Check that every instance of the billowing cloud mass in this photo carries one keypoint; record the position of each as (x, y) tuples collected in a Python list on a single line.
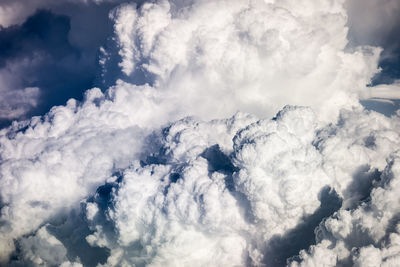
[(232, 136), (236, 59)]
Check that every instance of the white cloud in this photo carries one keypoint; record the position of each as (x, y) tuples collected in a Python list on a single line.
[(58, 160), (249, 56), (43, 248), (367, 235), (156, 189), (280, 170), (186, 188), (386, 91)]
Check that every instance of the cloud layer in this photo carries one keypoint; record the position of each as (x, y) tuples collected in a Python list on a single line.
[(162, 170)]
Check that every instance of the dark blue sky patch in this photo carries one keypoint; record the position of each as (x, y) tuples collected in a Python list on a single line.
[(377, 23), (390, 57), (46, 58), (43, 31)]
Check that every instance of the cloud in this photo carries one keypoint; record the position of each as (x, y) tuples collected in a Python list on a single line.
[(39, 67), (59, 175), (377, 23), (16, 104), (273, 181), (386, 91), (266, 153), (181, 187), (160, 169), (365, 236), (15, 12), (54, 49), (236, 55), (43, 248)]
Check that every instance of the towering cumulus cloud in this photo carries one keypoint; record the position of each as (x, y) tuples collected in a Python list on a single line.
[(233, 136), (253, 56)]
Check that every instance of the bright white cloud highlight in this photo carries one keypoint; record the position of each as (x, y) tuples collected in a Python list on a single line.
[(250, 56)]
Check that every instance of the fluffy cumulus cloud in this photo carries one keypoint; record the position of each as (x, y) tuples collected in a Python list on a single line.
[(365, 236), (254, 56), (232, 136)]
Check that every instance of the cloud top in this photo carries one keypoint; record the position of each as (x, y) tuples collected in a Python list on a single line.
[(250, 56)]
